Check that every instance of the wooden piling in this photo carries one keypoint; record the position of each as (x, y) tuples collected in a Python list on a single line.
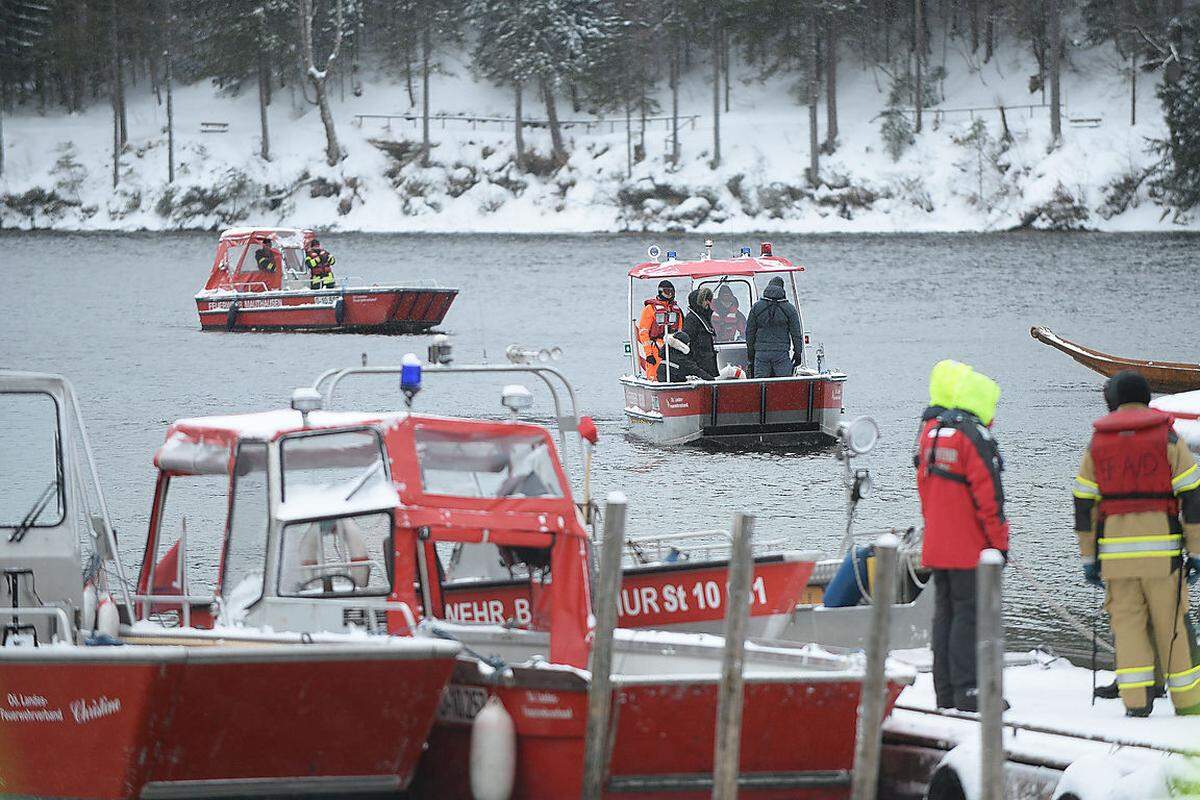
[(873, 698), (728, 745), (990, 649), (596, 749)]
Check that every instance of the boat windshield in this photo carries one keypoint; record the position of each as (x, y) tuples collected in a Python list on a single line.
[(731, 304), (475, 464), (324, 467), (31, 462), (340, 557)]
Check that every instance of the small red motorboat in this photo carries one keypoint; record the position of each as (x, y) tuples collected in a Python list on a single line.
[(804, 407), (96, 705), (241, 296)]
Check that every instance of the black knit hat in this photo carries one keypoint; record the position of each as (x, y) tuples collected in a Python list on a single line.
[(665, 284), (1126, 386)]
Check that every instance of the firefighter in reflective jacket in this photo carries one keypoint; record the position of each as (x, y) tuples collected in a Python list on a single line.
[(962, 502), (660, 315), (1137, 509), (320, 266), (266, 257)]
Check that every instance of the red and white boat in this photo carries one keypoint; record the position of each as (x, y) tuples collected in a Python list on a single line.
[(805, 407), (97, 706), (238, 296), (470, 489)]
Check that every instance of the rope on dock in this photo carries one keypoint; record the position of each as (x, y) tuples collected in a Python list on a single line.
[(1057, 607)]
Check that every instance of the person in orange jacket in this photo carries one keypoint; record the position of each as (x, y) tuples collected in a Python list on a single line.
[(660, 315)]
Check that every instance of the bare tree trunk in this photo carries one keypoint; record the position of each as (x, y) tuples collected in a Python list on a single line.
[(169, 58), (1133, 89), (725, 63), (974, 12), (1055, 45), (716, 59), (408, 77), (426, 46), (121, 100), (831, 58), (919, 53), (989, 31), (519, 129), (3, 103), (814, 91), (628, 139), (333, 150), (675, 106), (264, 89), (116, 105), (557, 150)]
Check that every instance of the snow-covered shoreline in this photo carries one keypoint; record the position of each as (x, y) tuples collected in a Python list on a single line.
[(959, 175)]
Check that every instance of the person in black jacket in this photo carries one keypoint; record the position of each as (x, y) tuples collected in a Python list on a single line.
[(772, 325), (698, 326), (682, 365)]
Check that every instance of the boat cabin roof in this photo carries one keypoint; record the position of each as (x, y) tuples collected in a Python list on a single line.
[(206, 445), (288, 237), (713, 267)]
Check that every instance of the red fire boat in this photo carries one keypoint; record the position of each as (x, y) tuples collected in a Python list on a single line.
[(804, 407), (240, 296), (97, 705)]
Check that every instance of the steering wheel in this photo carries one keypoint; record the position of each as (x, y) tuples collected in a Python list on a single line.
[(328, 577)]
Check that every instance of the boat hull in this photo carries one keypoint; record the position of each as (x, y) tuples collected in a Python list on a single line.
[(1166, 377), (779, 411), (797, 737), (170, 721), (376, 309)]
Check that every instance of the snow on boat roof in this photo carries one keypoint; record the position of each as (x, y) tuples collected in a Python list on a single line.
[(289, 237), (205, 445), (1185, 408), (713, 267)]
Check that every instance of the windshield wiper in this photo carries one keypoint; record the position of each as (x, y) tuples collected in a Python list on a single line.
[(39, 506), (361, 480)]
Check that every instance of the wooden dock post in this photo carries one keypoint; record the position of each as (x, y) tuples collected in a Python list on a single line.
[(990, 649), (873, 699), (727, 749), (596, 753)]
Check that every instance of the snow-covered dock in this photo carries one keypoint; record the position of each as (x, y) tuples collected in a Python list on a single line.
[(1059, 744)]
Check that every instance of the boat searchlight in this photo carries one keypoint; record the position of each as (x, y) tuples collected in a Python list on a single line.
[(306, 400), (440, 350), (516, 398), (858, 436)]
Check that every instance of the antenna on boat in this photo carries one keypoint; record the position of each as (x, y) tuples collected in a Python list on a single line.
[(708, 248), (410, 377), (306, 400)]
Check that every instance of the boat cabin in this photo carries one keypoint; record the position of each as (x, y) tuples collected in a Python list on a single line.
[(236, 267), (331, 521), (736, 283)]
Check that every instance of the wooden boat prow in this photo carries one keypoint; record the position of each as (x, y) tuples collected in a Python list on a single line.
[(1163, 376)]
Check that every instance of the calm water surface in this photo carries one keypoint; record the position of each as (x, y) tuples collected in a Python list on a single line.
[(114, 312)]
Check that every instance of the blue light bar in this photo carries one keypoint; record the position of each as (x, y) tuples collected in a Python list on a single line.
[(672, 255), (410, 374), (745, 251)]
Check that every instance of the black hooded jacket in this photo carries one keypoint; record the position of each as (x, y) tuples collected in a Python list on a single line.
[(683, 366), (773, 324), (698, 326)]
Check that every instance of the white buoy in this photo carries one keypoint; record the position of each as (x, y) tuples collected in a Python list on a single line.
[(87, 614), (493, 752), (108, 621)]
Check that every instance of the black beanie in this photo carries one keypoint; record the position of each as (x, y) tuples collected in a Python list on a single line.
[(665, 284), (1126, 386)]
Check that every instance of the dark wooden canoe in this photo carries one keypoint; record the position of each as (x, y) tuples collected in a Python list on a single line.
[(1165, 377)]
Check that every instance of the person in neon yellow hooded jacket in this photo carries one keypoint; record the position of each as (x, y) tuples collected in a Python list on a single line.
[(962, 502)]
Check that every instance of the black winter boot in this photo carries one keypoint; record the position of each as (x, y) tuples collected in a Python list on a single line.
[(969, 701), (1144, 711)]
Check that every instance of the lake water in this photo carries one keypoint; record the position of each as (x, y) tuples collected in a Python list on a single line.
[(114, 313)]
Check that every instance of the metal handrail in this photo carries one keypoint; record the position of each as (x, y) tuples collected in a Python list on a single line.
[(334, 376), (42, 611)]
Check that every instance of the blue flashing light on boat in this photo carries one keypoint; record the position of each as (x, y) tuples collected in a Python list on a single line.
[(746, 251), (672, 255), (410, 377)]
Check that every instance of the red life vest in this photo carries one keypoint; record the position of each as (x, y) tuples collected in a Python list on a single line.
[(667, 317), (1129, 450)]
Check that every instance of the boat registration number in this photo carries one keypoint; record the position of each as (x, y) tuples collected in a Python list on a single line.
[(460, 704)]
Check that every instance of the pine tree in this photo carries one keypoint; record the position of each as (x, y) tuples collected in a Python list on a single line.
[(1181, 108)]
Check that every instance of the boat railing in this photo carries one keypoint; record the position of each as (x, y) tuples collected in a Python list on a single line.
[(355, 603), (566, 409), (56, 612), (687, 545)]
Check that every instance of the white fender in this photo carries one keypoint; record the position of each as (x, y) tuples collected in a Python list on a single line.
[(87, 614), (493, 752), (108, 621)]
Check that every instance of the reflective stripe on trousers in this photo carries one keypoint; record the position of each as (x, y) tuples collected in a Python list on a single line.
[(1135, 677), (1184, 681)]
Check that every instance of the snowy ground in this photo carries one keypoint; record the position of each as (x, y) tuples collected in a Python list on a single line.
[(1055, 696), (939, 184)]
